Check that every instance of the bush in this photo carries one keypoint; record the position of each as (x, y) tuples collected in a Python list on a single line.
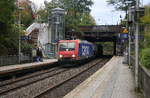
[(145, 57), (26, 48)]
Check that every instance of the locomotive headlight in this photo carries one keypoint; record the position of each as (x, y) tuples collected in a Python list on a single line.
[(60, 56), (73, 56)]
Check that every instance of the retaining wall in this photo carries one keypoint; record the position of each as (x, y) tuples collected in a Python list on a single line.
[(144, 81), (143, 78)]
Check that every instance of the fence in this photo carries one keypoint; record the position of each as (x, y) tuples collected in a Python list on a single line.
[(143, 79), (10, 60)]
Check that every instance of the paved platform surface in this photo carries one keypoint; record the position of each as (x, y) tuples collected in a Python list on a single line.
[(12, 68), (114, 80)]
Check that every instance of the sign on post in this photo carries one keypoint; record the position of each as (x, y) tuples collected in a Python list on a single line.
[(25, 37), (125, 31)]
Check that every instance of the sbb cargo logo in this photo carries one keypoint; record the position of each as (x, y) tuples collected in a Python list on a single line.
[(85, 50)]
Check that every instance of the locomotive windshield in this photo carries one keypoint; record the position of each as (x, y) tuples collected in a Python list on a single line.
[(67, 46)]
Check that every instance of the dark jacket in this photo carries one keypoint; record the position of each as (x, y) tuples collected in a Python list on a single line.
[(39, 52)]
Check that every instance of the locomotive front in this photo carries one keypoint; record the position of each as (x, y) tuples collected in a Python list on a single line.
[(68, 51)]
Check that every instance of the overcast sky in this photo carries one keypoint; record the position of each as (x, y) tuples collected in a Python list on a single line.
[(102, 13)]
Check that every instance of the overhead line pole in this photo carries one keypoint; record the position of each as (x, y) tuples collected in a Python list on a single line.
[(19, 40), (137, 44)]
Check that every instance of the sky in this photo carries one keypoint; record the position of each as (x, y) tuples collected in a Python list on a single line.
[(103, 13)]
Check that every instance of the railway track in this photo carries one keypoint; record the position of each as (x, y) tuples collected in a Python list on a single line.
[(39, 84), (11, 81), (44, 94), (27, 80)]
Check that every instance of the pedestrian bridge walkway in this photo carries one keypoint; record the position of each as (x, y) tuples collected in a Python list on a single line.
[(113, 80)]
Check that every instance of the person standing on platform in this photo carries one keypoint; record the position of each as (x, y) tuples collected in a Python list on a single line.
[(39, 54), (34, 54)]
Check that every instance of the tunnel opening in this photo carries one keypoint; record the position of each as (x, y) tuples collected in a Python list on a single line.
[(106, 49)]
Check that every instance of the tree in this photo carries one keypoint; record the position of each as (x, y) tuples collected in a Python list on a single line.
[(76, 12), (145, 56), (42, 15), (6, 17), (146, 22), (80, 6), (146, 18), (9, 31), (86, 19), (27, 14), (121, 4), (7, 35), (76, 9)]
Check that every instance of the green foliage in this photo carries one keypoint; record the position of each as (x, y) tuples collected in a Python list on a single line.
[(146, 18), (146, 21), (77, 12), (26, 14), (145, 52), (9, 42), (145, 57), (121, 4), (7, 6), (76, 5), (26, 19), (86, 20), (7, 36), (26, 48), (42, 15), (9, 32), (49, 6), (147, 40), (6, 15)]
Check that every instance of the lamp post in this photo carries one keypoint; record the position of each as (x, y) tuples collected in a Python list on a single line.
[(129, 33), (128, 3)]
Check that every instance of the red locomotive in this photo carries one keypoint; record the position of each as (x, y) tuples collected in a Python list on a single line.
[(72, 51)]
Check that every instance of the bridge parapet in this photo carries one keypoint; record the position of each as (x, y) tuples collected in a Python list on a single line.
[(98, 33), (102, 28)]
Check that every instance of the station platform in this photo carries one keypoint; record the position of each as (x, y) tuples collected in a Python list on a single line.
[(113, 80), (18, 67)]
